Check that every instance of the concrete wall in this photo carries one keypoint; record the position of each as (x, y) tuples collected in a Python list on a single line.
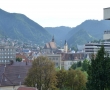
[(9, 88), (106, 13)]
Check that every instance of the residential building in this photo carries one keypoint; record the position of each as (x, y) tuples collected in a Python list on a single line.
[(13, 76), (92, 48), (69, 58), (7, 54)]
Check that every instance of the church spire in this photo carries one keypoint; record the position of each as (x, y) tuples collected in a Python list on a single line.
[(65, 42), (65, 47), (53, 39)]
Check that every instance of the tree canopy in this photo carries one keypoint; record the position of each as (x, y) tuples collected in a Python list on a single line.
[(99, 71), (42, 73)]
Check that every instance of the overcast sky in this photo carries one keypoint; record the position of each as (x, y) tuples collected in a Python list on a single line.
[(52, 13)]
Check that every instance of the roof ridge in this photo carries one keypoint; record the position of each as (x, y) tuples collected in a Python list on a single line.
[(2, 76)]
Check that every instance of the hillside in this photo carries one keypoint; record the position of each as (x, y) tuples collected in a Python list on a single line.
[(80, 37), (59, 32), (20, 27), (94, 28)]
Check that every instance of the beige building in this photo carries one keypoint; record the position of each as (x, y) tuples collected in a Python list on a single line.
[(69, 58), (56, 58)]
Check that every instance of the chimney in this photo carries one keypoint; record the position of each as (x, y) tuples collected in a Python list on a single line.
[(26, 63)]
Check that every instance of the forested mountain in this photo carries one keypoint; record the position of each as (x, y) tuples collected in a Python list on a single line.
[(18, 26), (80, 37), (87, 31), (92, 28), (59, 32)]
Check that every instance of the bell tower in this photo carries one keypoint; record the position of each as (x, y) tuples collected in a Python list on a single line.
[(53, 38), (65, 47)]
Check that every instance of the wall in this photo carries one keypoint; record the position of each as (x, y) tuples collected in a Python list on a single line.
[(106, 13), (9, 88)]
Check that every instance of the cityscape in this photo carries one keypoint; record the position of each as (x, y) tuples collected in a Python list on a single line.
[(38, 61)]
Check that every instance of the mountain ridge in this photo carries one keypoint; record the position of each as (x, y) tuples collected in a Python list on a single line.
[(19, 26)]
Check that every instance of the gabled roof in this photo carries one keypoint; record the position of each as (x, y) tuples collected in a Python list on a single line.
[(14, 75), (53, 45), (72, 56)]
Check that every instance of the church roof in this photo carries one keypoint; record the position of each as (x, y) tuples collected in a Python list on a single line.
[(50, 45)]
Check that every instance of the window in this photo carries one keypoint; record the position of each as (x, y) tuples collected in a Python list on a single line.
[(56, 64), (8, 61), (56, 58)]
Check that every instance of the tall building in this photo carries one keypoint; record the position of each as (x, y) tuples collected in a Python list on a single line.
[(106, 13), (92, 48), (7, 54), (65, 47), (106, 35)]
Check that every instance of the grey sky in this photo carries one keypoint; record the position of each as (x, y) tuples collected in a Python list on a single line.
[(57, 12)]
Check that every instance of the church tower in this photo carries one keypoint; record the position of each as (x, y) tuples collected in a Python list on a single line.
[(65, 47), (53, 39)]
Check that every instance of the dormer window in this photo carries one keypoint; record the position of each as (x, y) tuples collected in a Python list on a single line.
[(5, 79), (19, 76)]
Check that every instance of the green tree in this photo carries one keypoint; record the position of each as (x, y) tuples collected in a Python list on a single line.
[(79, 64), (98, 72), (42, 73), (61, 78), (76, 80), (18, 59), (85, 65), (74, 66)]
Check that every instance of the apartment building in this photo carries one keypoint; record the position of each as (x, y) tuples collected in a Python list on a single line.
[(92, 48), (7, 54)]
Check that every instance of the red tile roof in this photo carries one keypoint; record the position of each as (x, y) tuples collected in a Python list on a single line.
[(22, 56), (26, 88)]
